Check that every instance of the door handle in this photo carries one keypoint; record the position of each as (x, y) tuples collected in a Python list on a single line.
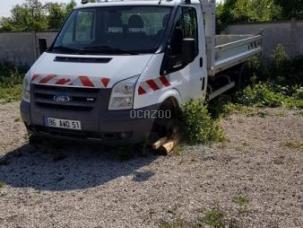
[(201, 62)]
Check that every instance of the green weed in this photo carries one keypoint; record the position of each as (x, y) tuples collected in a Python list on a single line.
[(10, 94), (10, 83), (261, 95), (214, 218), (293, 144), (241, 200), (199, 127)]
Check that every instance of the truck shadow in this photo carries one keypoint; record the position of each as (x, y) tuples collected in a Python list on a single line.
[(72, 167)]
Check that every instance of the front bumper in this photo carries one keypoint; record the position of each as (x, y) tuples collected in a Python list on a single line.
[(108, 127)]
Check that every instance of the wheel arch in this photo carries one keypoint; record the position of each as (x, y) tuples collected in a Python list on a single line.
[(171, 97)]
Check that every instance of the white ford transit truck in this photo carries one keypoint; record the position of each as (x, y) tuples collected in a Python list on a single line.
[(113, 59)]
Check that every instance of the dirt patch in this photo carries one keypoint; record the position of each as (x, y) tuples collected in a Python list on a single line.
[(87, 186)]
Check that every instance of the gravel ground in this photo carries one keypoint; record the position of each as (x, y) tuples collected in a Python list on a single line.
[(87, 186)]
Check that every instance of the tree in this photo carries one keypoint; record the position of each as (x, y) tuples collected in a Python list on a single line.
[(291, 8), (34, 16), (232, 11), (57, 14), (26, 17)]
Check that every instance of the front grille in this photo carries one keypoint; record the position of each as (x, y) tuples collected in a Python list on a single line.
[(80, 99)]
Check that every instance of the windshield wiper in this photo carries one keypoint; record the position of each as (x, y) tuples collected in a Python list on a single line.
[(108, 49), (67, 49)]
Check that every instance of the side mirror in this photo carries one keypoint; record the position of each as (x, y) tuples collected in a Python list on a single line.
[(42, 45), (188, 50), (178, 55)]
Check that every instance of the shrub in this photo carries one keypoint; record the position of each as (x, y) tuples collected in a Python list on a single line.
[(256, 70), (261, 95), (280, 70), (199, 127), (10, 75), (10, 82), (286, 71), (298, 93)]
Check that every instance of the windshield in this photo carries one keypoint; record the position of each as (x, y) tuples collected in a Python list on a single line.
[(113, 30)]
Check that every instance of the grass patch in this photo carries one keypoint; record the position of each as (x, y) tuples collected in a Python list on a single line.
[(266, 95), (10, 82), (214, 218), (294, 144), (254, 98), (199, 126), (10, 94), (242, 202)]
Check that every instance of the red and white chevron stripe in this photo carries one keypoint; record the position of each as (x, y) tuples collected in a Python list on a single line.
[(153, 85), (82, 81)]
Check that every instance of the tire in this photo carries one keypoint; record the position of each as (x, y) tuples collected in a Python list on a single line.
[(167, 127)]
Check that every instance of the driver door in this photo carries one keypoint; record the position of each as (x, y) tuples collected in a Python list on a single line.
[(188, 77)]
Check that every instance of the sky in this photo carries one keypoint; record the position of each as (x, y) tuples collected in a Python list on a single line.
[(7, 5)]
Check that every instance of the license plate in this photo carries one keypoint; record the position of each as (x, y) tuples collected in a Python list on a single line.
[(65, 124)]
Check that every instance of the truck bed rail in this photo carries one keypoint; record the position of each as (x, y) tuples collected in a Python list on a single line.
[(233, 50)]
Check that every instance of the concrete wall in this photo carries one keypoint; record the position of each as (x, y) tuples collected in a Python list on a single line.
[(23, 48), (288, 33), (17, 48)]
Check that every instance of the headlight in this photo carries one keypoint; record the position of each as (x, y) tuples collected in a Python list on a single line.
[(122, 96), (26, 89)]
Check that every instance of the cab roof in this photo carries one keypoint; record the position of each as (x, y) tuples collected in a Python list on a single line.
[(136, 2)]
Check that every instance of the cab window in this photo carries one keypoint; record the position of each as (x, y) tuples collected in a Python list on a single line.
[(185, 27), (183, 44)]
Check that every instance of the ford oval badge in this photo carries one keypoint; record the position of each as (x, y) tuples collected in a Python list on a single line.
[(62, 99)]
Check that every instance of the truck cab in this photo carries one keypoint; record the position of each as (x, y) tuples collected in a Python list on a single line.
[(115, 63)]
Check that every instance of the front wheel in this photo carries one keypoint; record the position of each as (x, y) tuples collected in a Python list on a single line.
[(168, 127)]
